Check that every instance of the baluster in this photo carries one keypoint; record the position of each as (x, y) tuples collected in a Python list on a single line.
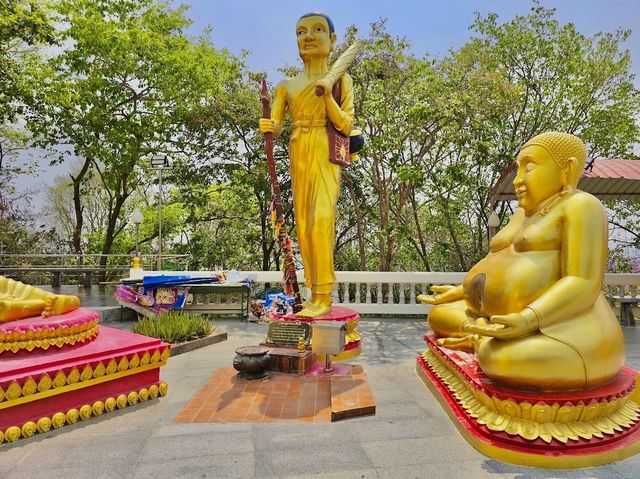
[(379, 290), (403, 295), (368, 294), (346, 298), (357, 296), (412, 293), (334, 293)]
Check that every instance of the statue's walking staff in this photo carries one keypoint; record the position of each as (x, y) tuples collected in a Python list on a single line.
[(277, 211)]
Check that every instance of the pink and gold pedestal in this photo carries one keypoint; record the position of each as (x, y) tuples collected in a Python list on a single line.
[(352, 338), (566, 430), (64, 368)]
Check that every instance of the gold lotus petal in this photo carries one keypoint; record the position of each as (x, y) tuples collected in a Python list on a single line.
[(99, 370), (87, 373), (74, 376), (110, 404), (529, 430), (132, 398), (121, 401), (581, 430), (72, 416), (145, 359), (60, 379), (44, 424), (545, 432), (29, 429), (123, 365), (98, 408), (499, 422), (58, 420), (153, 391), (134, 362), (29, 387), (85, 412), (45, 383), (155, 357), (163, 388), (13, 391), (12, 434), (112, 367)]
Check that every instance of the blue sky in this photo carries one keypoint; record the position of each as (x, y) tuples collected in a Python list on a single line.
[(266, 28)]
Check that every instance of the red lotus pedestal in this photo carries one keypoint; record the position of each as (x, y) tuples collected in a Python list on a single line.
[(566, 430), (44, 388), (352, 346)]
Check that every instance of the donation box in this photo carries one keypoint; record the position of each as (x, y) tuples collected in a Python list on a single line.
[(327, 337)]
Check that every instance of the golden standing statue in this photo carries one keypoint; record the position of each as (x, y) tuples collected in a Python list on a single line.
[(533, 308), (315, 181)]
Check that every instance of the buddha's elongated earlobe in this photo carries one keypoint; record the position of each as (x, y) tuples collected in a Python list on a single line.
[(569, 180)]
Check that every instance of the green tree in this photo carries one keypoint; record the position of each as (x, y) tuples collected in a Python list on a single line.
[(23, 27), (129, 84)]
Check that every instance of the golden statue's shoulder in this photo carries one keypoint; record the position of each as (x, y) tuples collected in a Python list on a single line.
[(585, 200)]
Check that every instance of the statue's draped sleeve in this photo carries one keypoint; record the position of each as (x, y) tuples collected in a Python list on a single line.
[(278, 107), (342, 115)]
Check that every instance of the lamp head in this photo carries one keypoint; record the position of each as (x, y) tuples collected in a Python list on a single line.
[(136, 217), (159, 160), (494, 220)]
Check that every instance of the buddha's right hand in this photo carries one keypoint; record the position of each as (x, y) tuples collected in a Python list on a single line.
[(435, 299), (266, 125)]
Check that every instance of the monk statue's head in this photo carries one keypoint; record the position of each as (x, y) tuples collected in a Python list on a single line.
[(549, 163), (316, 35)]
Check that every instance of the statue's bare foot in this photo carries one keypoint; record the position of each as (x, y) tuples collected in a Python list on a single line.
[(308, 310), (321, 310), (60, 304), (315, 310), (466, 343)]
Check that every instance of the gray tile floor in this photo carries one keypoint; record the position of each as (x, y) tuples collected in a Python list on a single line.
[(410, 436)]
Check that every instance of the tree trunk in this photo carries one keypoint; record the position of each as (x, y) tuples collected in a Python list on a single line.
[(78, 209), (112, 230)]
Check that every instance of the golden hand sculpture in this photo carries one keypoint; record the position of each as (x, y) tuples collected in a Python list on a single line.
[(533, 308), (19, 300), (315, 181)]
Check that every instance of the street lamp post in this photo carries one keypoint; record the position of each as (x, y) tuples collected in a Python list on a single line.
[(159, 162)]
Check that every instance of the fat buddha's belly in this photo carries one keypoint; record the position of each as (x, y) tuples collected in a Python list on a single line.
[(507, 281)]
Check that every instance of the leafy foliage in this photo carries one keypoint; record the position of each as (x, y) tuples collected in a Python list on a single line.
[(174, 327)]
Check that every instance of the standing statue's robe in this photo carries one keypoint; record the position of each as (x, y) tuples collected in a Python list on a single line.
[(315, 180)]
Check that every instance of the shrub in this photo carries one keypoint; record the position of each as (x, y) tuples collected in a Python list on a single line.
[(174, 327)]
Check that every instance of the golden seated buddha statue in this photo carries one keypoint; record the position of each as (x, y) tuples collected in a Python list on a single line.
[(19, 300), (533, 309)]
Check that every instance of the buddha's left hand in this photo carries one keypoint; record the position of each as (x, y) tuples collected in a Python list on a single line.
[(507, 326)]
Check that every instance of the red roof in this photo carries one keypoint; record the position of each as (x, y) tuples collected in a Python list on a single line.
[(607, 179)]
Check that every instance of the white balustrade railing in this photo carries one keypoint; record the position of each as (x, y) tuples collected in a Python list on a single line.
[(394, 293)]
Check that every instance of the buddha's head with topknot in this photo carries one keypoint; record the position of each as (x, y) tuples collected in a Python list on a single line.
[(549, 163)]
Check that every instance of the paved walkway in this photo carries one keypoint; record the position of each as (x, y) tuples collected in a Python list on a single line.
[(410, 436)]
